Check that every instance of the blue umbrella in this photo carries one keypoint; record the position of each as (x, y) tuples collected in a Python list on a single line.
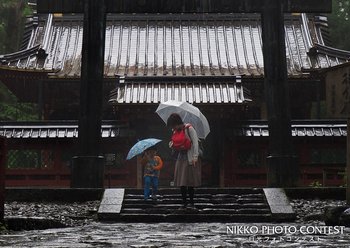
[(141, 146)]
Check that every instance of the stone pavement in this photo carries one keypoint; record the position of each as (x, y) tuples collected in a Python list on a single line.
[(228, 233), (214, 235), (139, 235)]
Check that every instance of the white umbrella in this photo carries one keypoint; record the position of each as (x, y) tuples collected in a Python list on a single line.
[(188, 113)]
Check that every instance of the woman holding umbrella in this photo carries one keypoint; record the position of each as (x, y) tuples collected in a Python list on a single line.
[(187, 173)]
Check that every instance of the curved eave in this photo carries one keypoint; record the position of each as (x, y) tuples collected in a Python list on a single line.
[(33, 70), (331, 51), (326, 57), (7, 58), (23, 63)]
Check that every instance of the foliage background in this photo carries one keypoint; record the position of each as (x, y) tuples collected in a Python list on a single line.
[(339, 24), (12, 19)]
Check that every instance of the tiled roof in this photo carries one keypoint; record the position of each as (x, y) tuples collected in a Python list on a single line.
[(200, 92), (24, 130), (44, 130), (172, 45), (299, 129)]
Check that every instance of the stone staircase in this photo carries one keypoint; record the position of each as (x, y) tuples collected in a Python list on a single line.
[(212, 205)]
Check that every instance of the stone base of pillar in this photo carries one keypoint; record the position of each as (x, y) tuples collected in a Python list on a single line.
[(282, 171), (3, 156), (87, 172)]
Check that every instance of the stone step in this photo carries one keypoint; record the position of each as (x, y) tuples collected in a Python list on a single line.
[(198, 205), (206, 196), (235, 211), (160, 200), (249, 200), (196, 200), (202, 196), (212, 204), (212, 211), (210, 191), (188, 217)]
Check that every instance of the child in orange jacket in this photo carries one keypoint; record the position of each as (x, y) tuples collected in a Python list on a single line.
[(152, 166)]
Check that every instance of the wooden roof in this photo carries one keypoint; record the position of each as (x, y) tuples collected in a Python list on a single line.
[(64, 129), (174, 45), (55, 129), (299, 128), (196, 91)]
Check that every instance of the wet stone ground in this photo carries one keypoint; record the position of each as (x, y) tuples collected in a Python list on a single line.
[(85, 231), (69, 214)]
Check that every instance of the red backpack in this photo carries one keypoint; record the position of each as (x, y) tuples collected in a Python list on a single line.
[(180, 141)]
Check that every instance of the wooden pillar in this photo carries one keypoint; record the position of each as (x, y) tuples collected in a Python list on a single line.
[(88, 166), (3, 155), (348, 163), (282, 167)]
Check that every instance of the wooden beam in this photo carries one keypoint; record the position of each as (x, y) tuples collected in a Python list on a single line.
[(185, 6)]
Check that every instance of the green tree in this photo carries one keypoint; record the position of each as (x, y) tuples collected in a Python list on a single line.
[(12, 18), (339, 24), (12, 109)]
